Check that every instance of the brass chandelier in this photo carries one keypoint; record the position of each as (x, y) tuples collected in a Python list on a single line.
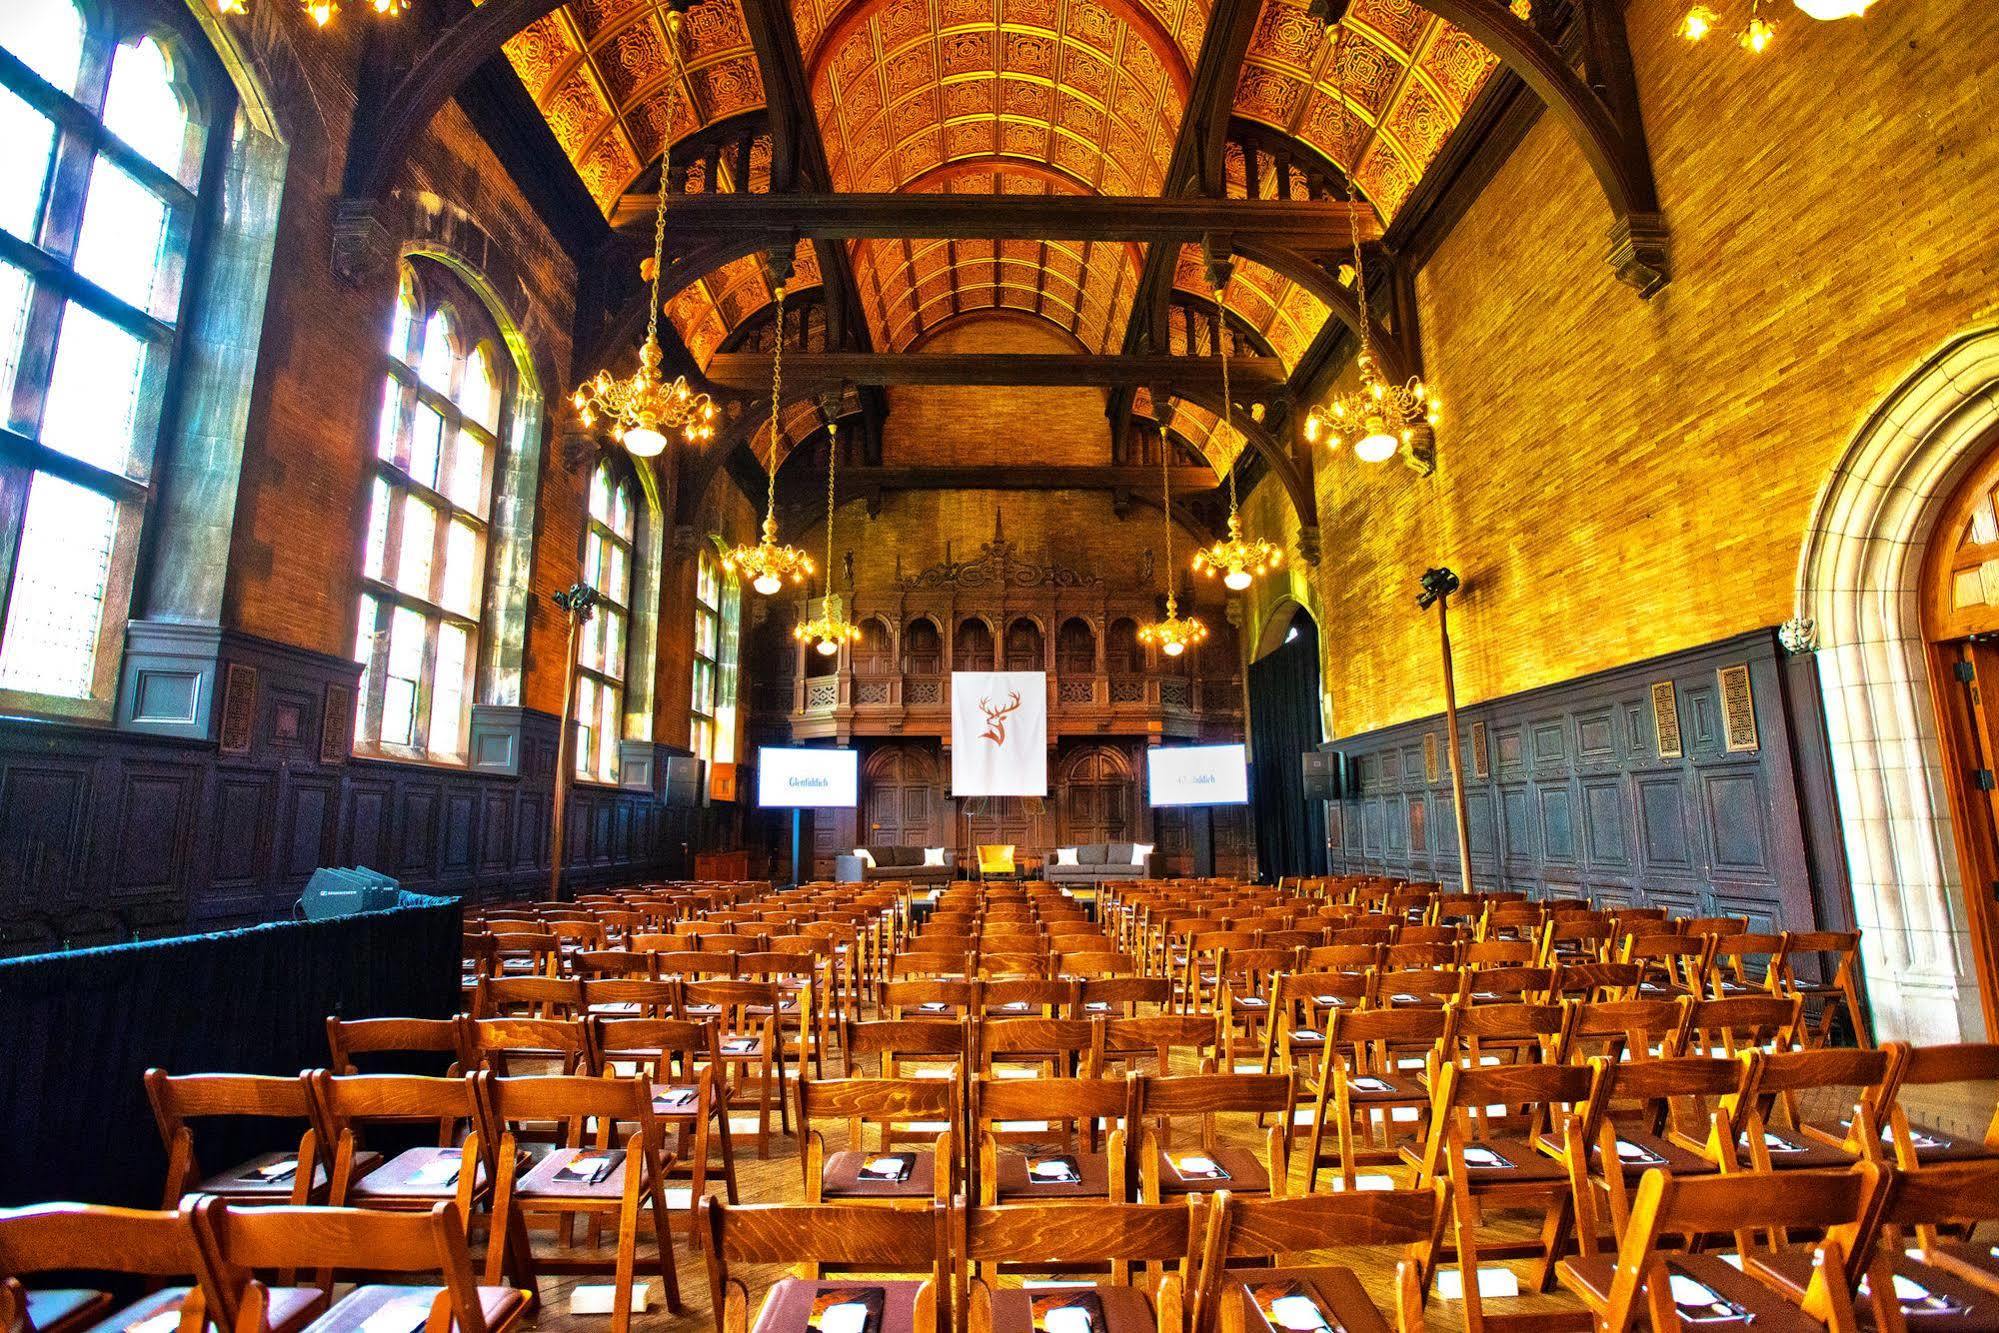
[(1176, 633), (643, 406), (1240, 560), (1378, 418), (830, 628), (767, 565), (321, 12), (1759, 32)]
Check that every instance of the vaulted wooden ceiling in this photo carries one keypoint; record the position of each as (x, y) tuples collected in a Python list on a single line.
[(1081, 97)]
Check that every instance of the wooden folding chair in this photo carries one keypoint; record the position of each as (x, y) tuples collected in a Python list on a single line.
[(1831, 979), (750, 1047), (1917, 1144), (1683, 1289), (1772, 1130), (1063, 1154), (84, 1238), (590, 1174), (683, 1060), (1504, 1170), (1166, 1170), (294, 1175), (1624, 1029), (931, 1107), (1048, 1238), (1374, 1095), (1918, 1203), (1233, 1298), (240, 1242), (812, 1236)]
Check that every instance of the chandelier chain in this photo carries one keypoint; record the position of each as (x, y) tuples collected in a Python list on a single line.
[(1228, 422), (1346, 179), (1166, 506), (776, 387), (832, 462), (665, 188)]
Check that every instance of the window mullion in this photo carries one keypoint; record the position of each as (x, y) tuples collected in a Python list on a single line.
[(426, 685), (378, 669)]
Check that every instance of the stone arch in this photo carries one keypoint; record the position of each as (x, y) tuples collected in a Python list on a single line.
[(1859, 582)]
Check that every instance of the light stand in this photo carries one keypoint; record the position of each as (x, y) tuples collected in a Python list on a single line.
[(578, 602), (1438, 585)]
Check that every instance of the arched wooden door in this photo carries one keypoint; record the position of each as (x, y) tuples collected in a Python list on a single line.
[(900, 798), (1961, 624), (1098, 796)]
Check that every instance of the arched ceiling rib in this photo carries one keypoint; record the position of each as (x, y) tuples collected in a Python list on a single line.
[(1408, 78), (598, 71)]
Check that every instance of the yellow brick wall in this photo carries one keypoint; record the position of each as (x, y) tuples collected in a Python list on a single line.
[(939, 426), (1622, 478)]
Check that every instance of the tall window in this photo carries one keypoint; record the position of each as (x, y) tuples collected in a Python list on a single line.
[(707, 655), (423, 564), (608, 540), (103, 147)]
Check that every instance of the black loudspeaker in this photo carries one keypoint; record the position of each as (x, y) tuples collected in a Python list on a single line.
[(335, 892), (1322, 774)]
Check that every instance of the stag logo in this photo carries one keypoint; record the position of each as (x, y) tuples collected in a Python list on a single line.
[(996, 718)]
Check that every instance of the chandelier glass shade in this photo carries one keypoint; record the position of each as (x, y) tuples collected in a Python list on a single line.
[(321, 12), (643, 408), (769, 566), (1240, 560), (1377, 418), (828, 630)]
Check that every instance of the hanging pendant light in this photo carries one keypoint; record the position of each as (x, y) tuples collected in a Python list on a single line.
[(1378, 418), (1241, 561), (1176, 633), (643, 407), (828, 630), (767, 565)]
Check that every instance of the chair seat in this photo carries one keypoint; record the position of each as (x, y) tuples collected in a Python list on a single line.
[(787, 1306), (1591, 1279), (1931, 1145), (1126, 1309), (1800, 1151), (1339, 1291), (546, 1181), (1398, 1090), (675, 1101), (1678, 1161), (841, 1177), (1789, 1271), (1526, 1164), (382, 1308), (1016, 1185), (1244, 1173), (60, 1309), (414, 1174), (290, 1308), (243, 1180)]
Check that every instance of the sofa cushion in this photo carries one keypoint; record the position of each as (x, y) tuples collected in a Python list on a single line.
[(1118, 854), (907, 856), (1090, 854)]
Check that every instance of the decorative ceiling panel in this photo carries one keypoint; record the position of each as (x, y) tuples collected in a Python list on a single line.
[(910, 288), (708, 310), (1287, 315), (599, 72), (1202, 429), (1407, 78), (1090, 91)]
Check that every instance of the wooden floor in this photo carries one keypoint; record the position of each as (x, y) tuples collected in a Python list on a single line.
[(1963, 1111)]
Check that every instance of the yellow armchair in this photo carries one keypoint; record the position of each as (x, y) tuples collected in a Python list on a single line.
[(996, 858)]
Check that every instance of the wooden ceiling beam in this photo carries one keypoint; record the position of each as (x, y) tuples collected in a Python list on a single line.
[(1306, 226), (1254, 377)]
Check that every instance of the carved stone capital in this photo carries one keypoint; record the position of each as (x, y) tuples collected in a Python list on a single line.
[(363, 246), (1308, 544), (1639, 252)]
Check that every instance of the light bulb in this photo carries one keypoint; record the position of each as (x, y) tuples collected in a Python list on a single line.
[(1829, 10), (827, 647), (1698, 23), (1377, 446), (1237, 579), (1315, 426), (644, 442), (767, 584), (322, 11), (1756, 38), (1173, 648)]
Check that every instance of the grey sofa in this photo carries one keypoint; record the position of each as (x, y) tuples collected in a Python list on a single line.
[(1100, 861), (903, 863)]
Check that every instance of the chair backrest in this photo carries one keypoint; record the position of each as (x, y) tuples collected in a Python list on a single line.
[(890, 1040), (536, 997), (1071, 1045), (1119, 996), (577, 1100), (178, 1099), (1072, 1232), (64, 1237), (241, 1241), (349, 1037), (497, 1043), (807, 1235)]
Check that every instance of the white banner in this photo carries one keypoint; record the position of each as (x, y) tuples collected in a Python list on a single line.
[(999, 733)]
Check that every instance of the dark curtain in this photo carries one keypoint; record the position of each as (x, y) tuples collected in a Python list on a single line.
[(1283, 725), (78, 1029)]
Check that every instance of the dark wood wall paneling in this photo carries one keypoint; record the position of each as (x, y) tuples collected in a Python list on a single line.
[(110, 835), (1571, 797)]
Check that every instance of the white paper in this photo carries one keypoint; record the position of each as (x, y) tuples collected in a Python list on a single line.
[(602, 1297)]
